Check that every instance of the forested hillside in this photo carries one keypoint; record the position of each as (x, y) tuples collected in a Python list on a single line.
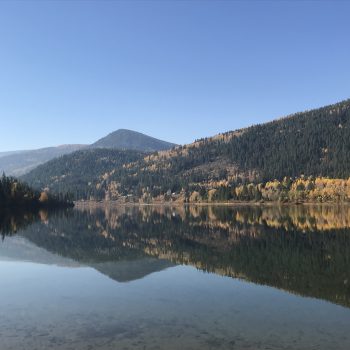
[(80, 173), (311, 143), (314, 143)]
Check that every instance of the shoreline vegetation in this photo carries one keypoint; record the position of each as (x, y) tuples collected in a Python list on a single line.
[(17, 195), (301, 190)]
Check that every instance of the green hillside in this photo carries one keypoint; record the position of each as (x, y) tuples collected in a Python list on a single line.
[(80, 173), (313, 143)]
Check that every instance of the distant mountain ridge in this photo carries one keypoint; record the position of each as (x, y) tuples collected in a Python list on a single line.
[(18, 163), (4, 154)]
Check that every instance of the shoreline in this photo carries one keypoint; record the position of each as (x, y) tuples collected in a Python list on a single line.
[(91, 203)]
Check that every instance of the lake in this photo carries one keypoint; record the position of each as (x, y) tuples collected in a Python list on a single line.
[(176, 278)]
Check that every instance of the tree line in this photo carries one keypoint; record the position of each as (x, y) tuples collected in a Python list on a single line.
[(15, 194)]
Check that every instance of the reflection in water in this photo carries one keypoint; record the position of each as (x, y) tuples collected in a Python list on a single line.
[(302, 249), (12, 221)]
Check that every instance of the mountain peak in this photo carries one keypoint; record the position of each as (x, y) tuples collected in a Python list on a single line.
[(132, 140)]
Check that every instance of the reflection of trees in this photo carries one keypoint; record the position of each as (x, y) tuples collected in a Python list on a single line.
[(13, 221), (302, 249), (80, 236)]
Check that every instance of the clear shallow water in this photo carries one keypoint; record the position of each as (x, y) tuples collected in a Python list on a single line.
[(161, 278)]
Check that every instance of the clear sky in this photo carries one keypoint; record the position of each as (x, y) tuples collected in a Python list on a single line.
[(71, 72)]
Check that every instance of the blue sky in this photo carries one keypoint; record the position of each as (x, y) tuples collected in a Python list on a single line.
[(71, 72)]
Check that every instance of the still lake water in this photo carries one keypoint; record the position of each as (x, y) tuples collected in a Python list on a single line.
[(176, 278)]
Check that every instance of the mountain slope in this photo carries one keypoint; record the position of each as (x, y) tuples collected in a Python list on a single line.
[(132, 140), (4, 154), (17, 163), (79, 173)]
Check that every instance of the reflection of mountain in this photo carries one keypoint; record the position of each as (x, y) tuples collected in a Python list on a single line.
[(125, 271), (281, 247), (44, 243), (18, 248)]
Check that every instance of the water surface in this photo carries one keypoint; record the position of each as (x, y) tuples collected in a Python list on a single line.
[(176, 278)]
